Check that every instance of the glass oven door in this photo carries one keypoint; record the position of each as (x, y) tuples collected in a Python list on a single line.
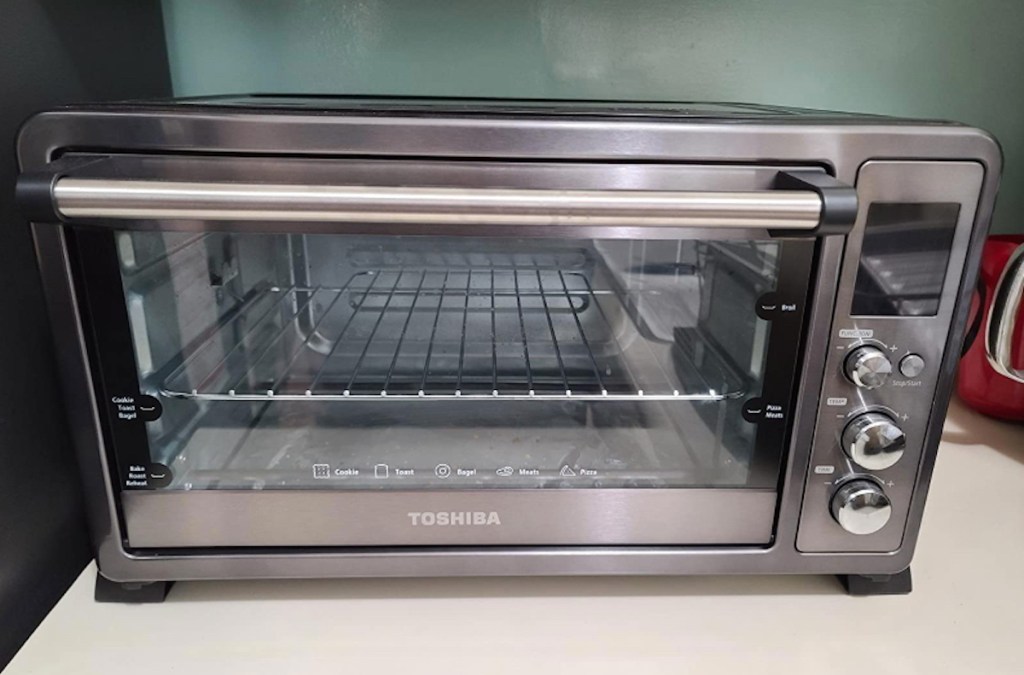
[(296, 388)]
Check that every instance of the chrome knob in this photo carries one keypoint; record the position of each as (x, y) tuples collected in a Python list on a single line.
[(860, 507), (867, 367), (874, 441)]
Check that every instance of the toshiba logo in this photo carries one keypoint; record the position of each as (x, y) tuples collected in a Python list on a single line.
[(449, 518)]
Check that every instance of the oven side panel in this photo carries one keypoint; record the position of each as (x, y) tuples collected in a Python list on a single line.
[(78, 389)]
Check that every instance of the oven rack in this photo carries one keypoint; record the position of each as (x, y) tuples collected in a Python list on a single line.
[(425, 334)]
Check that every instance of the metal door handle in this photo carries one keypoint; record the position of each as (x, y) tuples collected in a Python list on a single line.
[(1002, 319), (808, 203)]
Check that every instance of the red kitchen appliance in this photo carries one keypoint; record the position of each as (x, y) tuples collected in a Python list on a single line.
[(992, 371)]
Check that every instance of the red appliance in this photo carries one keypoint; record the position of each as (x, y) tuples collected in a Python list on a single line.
[(992, 371)]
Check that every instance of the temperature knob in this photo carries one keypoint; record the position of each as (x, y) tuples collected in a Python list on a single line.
[(860, 507), (874, 441), (867, 367)]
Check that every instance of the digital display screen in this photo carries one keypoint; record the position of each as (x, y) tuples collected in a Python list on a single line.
[(904, 258)]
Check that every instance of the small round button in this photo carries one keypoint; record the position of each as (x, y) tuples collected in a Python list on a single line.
[(861, 507), (911, 365), (442, 470)]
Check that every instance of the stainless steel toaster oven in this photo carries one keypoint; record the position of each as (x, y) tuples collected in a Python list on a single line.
[(339, 336)]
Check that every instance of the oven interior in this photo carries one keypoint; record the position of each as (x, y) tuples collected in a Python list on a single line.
[(287, 361)]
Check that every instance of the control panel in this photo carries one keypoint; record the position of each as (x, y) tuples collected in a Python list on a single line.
[(901, 271)]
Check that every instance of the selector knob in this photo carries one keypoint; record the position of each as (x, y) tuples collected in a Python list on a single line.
[(867, 367), (861, 507), (874, 441)]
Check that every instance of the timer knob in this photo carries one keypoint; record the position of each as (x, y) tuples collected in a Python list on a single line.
[(867, 367), (861, 507), (874, 441)]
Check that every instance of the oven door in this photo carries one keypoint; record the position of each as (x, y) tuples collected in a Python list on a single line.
[(313, 353)]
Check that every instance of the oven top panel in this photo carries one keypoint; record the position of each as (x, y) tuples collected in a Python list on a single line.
[(461, 107)]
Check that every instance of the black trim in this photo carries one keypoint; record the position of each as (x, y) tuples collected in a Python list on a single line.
[(877, 584), (113, 352), (979, 314), (33, 193), (133, 593), (838, 201), (782, 362)]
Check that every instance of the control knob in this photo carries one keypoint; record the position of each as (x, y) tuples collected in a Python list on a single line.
[(861, 507), (867, 367), (874, 441)]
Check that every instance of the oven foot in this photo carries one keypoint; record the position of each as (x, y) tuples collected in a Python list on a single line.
[(131, 593), (877, 584)]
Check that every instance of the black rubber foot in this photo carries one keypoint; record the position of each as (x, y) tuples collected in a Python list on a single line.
[(877, 584), (133, 593)]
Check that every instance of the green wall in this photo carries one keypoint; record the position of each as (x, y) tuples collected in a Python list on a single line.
[(954, 59)]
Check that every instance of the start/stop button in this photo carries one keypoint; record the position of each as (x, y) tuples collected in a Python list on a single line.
[(912, 365)]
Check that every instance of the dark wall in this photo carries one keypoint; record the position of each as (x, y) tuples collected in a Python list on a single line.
[(51, 52)]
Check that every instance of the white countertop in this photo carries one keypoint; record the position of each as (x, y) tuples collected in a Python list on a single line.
[(964, 615)]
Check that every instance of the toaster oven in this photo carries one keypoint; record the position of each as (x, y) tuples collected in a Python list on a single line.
[(337, 336)]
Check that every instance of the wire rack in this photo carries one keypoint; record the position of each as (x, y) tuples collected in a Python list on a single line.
[(437, 334)]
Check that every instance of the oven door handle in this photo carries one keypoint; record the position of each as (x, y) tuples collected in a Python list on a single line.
[(1002, 319), (801, 203)]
